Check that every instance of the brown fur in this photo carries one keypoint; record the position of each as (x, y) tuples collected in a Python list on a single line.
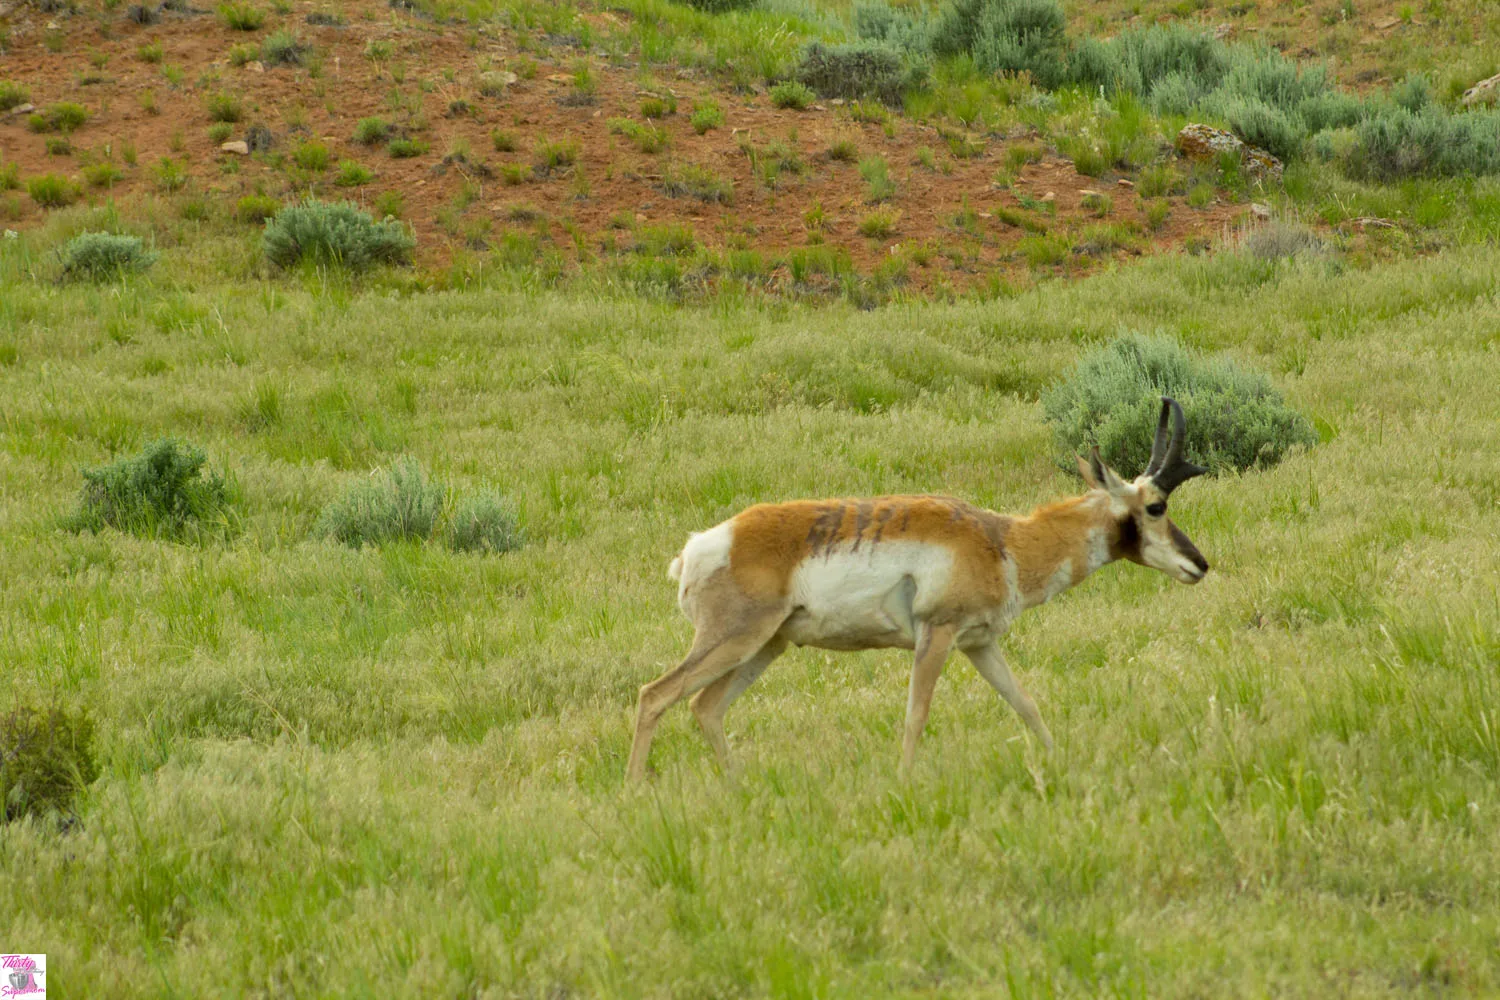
[(771, 540)]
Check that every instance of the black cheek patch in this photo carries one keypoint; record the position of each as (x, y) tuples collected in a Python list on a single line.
[(1128, 543)]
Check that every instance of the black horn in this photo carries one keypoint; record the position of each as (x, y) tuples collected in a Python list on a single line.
[(1159, 446), (1168, 470)]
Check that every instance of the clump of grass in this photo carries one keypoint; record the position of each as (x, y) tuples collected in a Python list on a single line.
[(503, 141), (12, 95), (879, 224), (697, 181), (962, 146), (52, 190), (352, 173), (555, 155), (877, 176), (1097, 204), (10, 176), (255, 208), (1238, 419), (94, 256), (665, 241), (46, 761), (655, 107), (486, 523), (58, 146), (101, 175), (241, 16), (170, 175), (150, 53), (371, 131), (1281, 240), (647, 138), (390, 205), (220, 132), (869, 113), (312, 155), (1042, 250), (284, 49), (162, 492), (397, 503), (404, 148), (1157, 211), (64, 116), (792, 94), (843, 151), (707, 115), (493, 85), (334, 233), (225, 108)]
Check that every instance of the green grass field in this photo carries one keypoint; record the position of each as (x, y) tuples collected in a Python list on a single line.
[(338, 772)]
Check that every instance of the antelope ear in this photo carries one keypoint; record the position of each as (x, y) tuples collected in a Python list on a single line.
[(1098, 475), (1086, 470)]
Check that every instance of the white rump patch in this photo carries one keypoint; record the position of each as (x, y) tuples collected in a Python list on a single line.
[(705, 553)]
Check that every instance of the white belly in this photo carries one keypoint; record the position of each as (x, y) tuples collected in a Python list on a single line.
[(866, 598)]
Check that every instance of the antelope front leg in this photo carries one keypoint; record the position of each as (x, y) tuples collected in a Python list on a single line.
[(933, 644), (992, 667)]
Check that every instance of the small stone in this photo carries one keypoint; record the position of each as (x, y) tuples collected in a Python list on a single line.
[(256, 66), (1087, 193), (1260, 211), (1386, 23), (21, 109), (1125, 182), (237, 146), (560, 78), (1050, 196)]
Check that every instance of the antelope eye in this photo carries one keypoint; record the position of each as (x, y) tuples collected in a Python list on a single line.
[(1157, 509)]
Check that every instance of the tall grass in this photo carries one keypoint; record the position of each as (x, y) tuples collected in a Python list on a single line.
[(336, 771)]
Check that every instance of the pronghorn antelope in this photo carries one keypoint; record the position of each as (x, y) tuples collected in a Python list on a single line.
[(925, 573)]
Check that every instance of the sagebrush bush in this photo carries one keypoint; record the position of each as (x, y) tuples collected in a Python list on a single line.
[(336, 233), (900, 29), (161, 493), (1236, 418), (1006, 36), (1281, 240), (397, 503), (104, 255), (721, 6), (284, 49), (1400, 143), (46, 760), (485, 522), (859, 70)]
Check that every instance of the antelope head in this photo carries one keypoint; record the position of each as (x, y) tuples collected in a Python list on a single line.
[(1143, 532)]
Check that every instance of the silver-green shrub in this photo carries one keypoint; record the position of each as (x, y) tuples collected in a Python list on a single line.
[(93, 256), (337, 233), (397, 503), (485, 522), (1236, 418)]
